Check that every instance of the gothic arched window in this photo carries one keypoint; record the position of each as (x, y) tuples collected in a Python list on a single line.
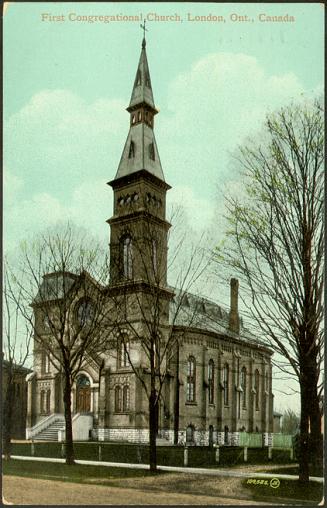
[(211, 381), (126, 398), (45, 362), (151, 151), (226, 384), (243, 386), (191, 378), (127, 257), (123, 350), (118, 400), (257, 388)]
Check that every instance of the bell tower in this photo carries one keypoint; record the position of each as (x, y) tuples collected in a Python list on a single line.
[(138, 227)]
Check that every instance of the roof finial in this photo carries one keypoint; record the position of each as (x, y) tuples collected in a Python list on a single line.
[(144, 30)]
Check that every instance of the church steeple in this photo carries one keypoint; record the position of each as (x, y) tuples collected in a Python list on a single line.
[(138, 227), (140, 151), (142, 89)]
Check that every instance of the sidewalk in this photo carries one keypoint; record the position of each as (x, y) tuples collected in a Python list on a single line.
[(192, 470)]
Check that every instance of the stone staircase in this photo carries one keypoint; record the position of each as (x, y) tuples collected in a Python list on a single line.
[(50, 433)]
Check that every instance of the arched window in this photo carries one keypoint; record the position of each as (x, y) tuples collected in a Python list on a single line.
[(82, 381), (45, 362), (118, 399), (139, 116), (191, 378), (123, 350), (211, 381), (243, 386), (257, 388), (131, 153), (138, 79), (126, 398), (151, 151), (226, 384), (190, 434), (127, 257)]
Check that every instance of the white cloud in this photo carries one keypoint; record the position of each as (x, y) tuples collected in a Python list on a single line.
[(89, 206), (199, 212), (58, 140), (212, 107)]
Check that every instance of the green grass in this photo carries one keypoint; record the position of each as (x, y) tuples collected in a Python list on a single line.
[(288, 489), (77, 473), (166, 456)]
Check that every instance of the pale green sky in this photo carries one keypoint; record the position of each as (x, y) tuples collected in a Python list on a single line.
[(67, 84)]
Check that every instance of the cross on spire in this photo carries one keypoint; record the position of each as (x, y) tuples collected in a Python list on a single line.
[(144, 30)]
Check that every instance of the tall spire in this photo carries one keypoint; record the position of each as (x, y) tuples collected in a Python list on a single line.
[(140, 151), (142, 90)]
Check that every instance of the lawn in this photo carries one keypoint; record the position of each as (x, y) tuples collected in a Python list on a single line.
[(167, 482), (77, 473), (287, 489)]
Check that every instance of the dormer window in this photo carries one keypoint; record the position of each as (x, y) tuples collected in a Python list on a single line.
[(138, 80), (131, 153), (151, 151)]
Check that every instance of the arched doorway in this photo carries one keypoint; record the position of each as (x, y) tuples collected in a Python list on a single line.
[(83, 394)]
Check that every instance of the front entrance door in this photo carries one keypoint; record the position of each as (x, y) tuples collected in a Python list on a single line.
[(83, 394)]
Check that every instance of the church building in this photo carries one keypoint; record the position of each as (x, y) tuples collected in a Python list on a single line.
[(217, 377)]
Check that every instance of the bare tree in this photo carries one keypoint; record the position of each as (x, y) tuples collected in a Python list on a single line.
[(60, 282), (16, 346), (275, 244), (290, 422), (147, 310)]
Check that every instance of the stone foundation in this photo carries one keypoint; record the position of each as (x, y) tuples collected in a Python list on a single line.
[(129, 435)]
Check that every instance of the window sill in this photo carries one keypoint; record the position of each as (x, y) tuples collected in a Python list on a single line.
[(189, 403), (121, 413)]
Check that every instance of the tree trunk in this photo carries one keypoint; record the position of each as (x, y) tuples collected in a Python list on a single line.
[(304, 436), (153, 430), (176, 402), (69, 446), (7, 420)]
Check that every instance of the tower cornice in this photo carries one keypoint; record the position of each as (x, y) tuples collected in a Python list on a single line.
[(138, 175)]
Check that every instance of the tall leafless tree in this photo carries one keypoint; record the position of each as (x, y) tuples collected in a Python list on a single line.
[(60, 279), (16, 350), (147, 310), (275, 244)]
